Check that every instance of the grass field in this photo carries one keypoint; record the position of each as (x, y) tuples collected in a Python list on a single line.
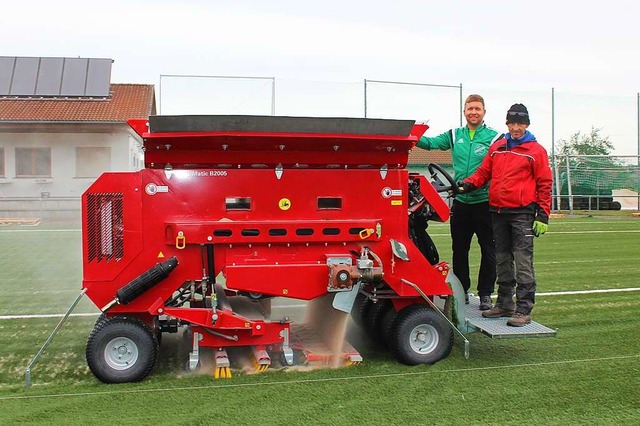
[(588, 374)]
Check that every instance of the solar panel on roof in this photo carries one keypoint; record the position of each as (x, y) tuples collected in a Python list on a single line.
[(98, 77), (25, 75), (68, 77), (74, 76), (6, 72), (49, 76)]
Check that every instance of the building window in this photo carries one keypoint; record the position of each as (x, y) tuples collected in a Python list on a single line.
[(92, 161), (33, 162), (1, 161)]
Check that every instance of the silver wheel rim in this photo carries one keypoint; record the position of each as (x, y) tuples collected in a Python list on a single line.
[(424, 339), (121, 353)]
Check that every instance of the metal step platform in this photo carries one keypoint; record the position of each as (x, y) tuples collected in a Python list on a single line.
[(497, 328)]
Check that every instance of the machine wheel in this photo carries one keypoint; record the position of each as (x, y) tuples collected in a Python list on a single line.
[(373, 322), (387, 326), (121, 349), (360, 310), (420, 336)]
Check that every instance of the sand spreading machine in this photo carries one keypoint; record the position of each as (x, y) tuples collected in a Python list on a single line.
[(234, 213)]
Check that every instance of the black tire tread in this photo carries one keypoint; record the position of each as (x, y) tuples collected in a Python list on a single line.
[(93, 352), (373, 321), (360, 311), (387, 326)]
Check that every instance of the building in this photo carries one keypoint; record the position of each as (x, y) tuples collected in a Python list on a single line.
[(54, 145), (420, 158)]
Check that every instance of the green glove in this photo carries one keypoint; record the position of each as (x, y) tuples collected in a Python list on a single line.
[(539, 228)]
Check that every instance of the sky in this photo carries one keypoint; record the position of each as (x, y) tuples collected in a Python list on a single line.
[(320, 53)]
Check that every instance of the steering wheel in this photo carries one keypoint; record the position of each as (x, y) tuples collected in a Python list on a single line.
[(435, 170)]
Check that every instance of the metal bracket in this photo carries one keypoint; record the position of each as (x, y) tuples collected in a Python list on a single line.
[(194, 356), (27, 371), (430, 302), (287, 352)]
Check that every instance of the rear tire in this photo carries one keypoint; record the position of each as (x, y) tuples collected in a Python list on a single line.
[(420, 336), (121, 349), (360, 310), (387, 326), (373, 323)]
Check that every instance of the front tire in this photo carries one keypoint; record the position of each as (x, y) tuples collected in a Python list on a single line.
[(420, 336), (121, 349)]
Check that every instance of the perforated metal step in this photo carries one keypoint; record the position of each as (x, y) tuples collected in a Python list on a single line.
[(497, 328)]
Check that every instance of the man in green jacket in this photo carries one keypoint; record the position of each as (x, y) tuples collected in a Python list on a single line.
[(470, 212)]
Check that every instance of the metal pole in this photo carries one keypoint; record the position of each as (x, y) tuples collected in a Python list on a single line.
[(553, 151), (273, 96), (160, 96), (638, 159), (461, 106), (27, 371), (365, 98), (569, 192)]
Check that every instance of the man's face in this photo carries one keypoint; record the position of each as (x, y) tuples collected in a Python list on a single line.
[(517, 129), (474, 113)]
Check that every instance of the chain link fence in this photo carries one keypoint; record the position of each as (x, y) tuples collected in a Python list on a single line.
[(596, 182), (580, 182)]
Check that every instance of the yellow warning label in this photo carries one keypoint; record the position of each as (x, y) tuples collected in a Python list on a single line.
[(284, 204), (160, 255), (396, 202)]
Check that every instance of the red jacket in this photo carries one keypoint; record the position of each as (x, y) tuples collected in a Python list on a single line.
[(519, 177)]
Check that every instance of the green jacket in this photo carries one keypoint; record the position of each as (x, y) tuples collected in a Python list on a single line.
[(466, 154)]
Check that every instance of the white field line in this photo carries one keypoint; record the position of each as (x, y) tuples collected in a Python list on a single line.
[(9, 231), (558, 222), (564, 293), (622, 231), (595, 232), (37, 316), (300, 305), (432, 234), (327, 380)]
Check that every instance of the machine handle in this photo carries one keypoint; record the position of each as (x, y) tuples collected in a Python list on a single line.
[(181, 241), (366, 233)]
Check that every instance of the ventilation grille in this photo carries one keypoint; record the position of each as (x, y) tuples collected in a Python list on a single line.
[(105, 227)]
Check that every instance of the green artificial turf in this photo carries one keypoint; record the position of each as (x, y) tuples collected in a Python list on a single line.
[(588, 374)]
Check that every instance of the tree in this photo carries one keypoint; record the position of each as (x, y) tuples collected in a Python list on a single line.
[(593, 171), (591, 144)]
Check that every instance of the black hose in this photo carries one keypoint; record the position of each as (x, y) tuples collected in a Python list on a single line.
[(145, 281)]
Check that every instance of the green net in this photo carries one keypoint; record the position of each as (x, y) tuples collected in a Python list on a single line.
[(595, 180)]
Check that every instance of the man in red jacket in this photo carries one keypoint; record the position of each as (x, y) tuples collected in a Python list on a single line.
[(520, 203)]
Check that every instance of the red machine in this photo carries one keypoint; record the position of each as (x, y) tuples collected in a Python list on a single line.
[(232, 212)]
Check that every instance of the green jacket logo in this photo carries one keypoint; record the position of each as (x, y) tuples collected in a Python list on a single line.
[(480, 150)]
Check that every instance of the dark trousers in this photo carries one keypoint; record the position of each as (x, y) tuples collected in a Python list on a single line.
[(514, 253), (466, 220)]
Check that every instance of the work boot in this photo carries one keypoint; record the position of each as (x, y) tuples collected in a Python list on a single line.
[(519, 320), (485, 303), (497, 312)]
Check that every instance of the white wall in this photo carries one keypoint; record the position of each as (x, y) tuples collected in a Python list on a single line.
[(20, 195)]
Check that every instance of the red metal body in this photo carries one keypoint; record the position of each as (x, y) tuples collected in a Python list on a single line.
[(272, 206)]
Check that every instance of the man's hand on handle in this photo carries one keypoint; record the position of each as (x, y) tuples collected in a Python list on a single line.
[(464, 187)]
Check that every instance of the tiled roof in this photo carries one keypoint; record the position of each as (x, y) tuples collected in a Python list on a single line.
[(125, 101), (422, 156)]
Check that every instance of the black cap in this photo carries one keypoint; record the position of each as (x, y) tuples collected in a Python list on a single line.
[(518, 114)]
